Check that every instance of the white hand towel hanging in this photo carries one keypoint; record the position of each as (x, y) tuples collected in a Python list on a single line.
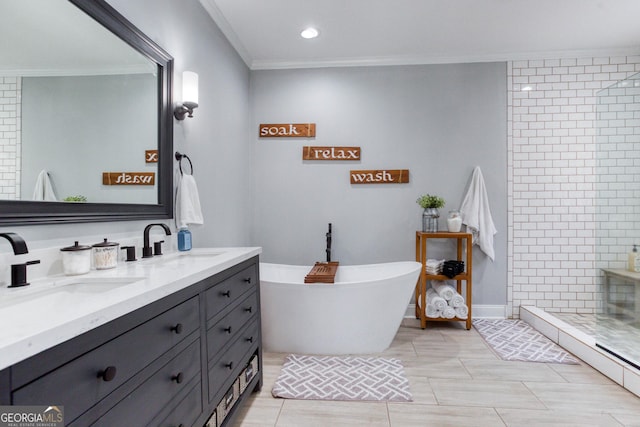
[(188, 202), (43, 190), (476, 214)]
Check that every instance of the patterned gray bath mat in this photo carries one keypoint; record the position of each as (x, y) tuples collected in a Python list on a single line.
[(516, 340), (342, 378)]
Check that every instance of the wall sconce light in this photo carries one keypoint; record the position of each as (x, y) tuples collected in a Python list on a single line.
[(189, 96)]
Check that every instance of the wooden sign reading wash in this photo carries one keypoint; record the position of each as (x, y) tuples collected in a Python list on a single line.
[(288, 130), (128, 178), (330, 153), (383, 176)]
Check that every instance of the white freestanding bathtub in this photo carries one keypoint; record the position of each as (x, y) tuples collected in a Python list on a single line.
[(360, 313)]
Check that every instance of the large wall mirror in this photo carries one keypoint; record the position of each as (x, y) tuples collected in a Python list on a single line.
[(85, 116)]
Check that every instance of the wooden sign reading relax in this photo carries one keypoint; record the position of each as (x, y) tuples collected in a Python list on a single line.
[(330, 153), (383, 176), (288, 130), (128, 178)]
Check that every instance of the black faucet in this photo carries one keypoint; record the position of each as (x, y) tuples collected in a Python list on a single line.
[(18, 271), (147, 250), (328, 250)]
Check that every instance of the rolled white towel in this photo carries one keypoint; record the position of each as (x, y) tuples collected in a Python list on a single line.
[(462, 312), (449, 312), (435, 263), (432, 311), (438, 302), (443, 289), (456, 301)]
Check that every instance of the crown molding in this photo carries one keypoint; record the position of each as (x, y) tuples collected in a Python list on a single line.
[(216, 15)]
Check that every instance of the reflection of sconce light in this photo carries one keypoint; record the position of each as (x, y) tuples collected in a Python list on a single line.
[(189, 95)]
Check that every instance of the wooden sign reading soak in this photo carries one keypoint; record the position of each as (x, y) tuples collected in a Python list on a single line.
[(128, 178), (151, 156), (330, 153), (384, 176), (288, 130)]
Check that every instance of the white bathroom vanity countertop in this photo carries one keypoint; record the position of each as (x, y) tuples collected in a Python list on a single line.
[(55, 309)]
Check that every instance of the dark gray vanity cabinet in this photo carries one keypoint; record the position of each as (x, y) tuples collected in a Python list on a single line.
[(170, 363)]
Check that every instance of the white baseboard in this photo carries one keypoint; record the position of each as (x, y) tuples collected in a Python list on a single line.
[(480, 311)]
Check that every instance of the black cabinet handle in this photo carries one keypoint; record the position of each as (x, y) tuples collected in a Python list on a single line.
[(226, 294), (177, 329), (178, 378), (108, 374), (248, 309), (247, 280), (227, 330), (250, 339), (229, 365)]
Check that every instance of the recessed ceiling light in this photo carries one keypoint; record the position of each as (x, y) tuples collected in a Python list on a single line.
[(309, 33)]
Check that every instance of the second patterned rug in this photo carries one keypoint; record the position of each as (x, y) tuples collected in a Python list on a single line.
[(342, 378), (516, 340)]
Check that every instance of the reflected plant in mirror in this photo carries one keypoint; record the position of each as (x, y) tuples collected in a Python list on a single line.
[(90, 101)]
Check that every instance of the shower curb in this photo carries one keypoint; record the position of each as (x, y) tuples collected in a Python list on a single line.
[(583, 346)]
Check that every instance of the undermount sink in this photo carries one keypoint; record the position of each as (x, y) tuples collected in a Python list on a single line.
[(63, 289), (182, 257)]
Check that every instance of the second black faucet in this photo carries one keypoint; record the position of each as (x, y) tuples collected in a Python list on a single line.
[(147, 250)]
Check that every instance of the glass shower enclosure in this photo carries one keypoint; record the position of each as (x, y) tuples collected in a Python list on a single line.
[(616, 323)]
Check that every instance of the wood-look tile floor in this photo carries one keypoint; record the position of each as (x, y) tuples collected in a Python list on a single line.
[(457, 380)]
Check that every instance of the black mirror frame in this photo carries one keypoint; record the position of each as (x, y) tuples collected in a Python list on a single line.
[(33, 213)]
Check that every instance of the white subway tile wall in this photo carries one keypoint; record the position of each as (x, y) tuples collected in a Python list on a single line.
[(10, 132), (552, 184)]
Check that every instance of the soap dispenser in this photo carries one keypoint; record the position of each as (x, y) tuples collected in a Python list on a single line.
[(184, 239), (634, 260)]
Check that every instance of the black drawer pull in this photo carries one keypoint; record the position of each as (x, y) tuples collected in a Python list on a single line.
[(177, 329), (178, 378), (247, 280), (229, 365), (227, 330), (108, 374), (248, 309), (250, 339), (226, 294)]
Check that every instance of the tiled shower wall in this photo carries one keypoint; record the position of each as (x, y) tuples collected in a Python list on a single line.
[(552, 180), (9, 137)]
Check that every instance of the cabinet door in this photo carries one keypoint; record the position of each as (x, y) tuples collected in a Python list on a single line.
[(81, 383), (145, 402)]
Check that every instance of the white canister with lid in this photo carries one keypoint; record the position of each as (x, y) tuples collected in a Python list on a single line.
[(76, 259), (105, 255)]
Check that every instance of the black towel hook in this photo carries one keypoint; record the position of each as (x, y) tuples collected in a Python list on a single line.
[(179, 157)]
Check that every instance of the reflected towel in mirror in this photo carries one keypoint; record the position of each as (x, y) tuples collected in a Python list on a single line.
[(43, 190)]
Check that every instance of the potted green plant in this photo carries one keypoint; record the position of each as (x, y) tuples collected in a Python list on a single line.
[(77, 199), (430, 214)]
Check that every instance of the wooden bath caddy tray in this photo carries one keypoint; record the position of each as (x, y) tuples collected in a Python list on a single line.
[(322, 272)]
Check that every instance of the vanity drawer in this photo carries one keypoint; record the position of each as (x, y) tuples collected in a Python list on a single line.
[(83, 381), (223, 371), (157, 392), (224, 330), (186, 412), (226, 292)]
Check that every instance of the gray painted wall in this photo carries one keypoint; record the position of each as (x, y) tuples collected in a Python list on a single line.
[(438, 121)]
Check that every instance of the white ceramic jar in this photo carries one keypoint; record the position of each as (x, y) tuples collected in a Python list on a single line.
[(454, 221), (76, 259), (105, 255)]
